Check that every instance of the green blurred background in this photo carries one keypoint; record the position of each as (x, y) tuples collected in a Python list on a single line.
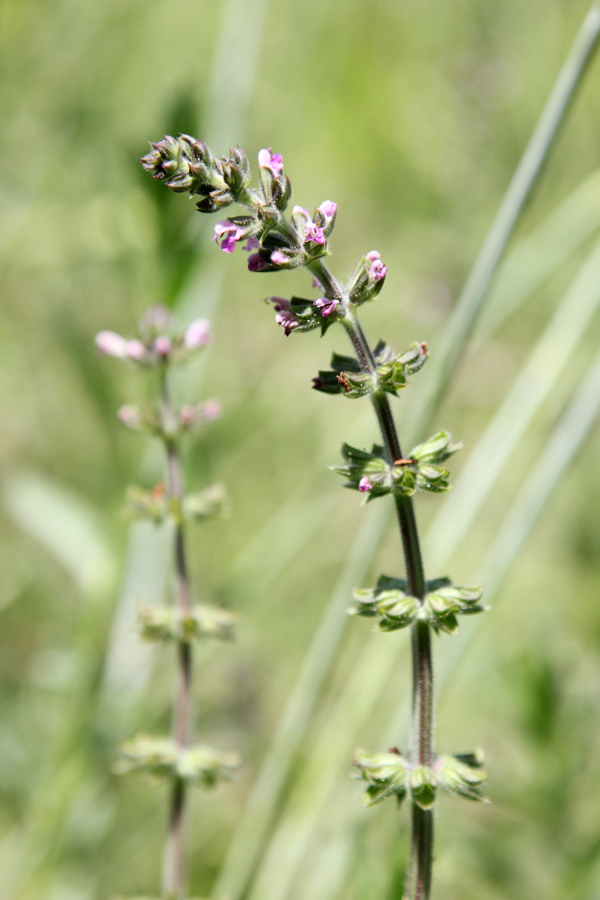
[(411, 115)]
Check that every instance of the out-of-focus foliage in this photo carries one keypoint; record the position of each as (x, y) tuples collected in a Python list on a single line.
[(411, 116)]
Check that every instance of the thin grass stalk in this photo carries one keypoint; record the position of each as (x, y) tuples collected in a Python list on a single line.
[(554, 349), (468, 306)]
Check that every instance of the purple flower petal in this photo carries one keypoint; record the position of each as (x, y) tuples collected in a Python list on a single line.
[(271, 161), (256, 263), (278, 258), (327, 305), (314, 233), (288, 320), (377, 271), (279, 303), (364, 484)]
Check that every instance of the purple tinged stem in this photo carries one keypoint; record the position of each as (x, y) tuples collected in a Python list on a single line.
[(418, 884), (174, 863)]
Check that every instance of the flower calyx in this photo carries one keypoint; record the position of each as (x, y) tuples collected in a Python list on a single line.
[(162, 758), (372, 474), (168, 623), (157, 506), (347, 377), (368, 279), (391, 601), (301, 315), (392, 775)]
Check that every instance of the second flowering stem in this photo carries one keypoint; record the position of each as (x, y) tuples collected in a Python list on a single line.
[(174, 863)]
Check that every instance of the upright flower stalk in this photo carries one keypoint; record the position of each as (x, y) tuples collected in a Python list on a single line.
[(276, 242), (176, 759)]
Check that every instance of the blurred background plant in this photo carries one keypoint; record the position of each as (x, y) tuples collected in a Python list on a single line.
[(417, 113)]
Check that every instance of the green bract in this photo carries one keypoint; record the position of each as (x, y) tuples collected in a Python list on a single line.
[(155, 505), (419, 470), (162, 758), (168, 623), (397, 609), (392, 775)]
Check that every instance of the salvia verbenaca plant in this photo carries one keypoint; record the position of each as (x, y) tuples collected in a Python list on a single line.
[(176, 759), (301, 240)]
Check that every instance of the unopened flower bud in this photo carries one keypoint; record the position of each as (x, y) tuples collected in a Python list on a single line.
[(111, 344), (135, 350), (257, 264), (130, 416), (197, 334), (162, 345), (155, 320), (212, 410), (329, 209)]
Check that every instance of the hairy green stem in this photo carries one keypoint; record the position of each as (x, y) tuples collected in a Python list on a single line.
[(174, 862), (418, 885)]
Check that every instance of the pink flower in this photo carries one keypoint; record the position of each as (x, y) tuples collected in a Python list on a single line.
[(256, 263), (111, 344), (278, 258), (197, 334), (329, 209), (251, 244), (326, 305), (316, 283), (196, 415), (302, 212), (162, 345), (279, 303), (228, 232), (364, 484), (377, 270), (314, 233), (129, 416), (211, 410), (135, 350), (288, 320), (271, 161)]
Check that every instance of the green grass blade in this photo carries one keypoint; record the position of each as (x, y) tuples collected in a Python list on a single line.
[(540, 254), (66, 525), (460, 325), (546, 362), (255, 820)]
